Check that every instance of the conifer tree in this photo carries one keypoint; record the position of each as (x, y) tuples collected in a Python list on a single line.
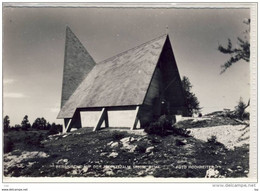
[(193, 103), (240, 52)]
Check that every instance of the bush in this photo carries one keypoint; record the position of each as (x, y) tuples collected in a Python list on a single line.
[(165, 126), (140, 148), (8, 145), (117, 135), (240, 112), (212, 139), (181, 132), (212, 149), (154, 140), (160, 127), (35, 140), (55, 129), (17, 127)]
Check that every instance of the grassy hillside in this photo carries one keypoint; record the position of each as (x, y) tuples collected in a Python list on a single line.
[(120, 153)]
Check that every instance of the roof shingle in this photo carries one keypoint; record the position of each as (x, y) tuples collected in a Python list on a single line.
[(118, 81)]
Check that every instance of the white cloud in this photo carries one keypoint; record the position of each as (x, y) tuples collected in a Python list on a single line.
[(14, 95), (8, 81)]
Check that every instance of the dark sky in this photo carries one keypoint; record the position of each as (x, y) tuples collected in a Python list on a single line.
[(33, 51)]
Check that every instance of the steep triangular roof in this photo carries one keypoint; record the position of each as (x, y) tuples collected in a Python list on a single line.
[(77, 64), (118, 81)]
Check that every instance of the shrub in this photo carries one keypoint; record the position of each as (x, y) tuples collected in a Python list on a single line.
[(212, 139), (212, 149), (6, 123), (17, 127), (141, 148), (181, 132), (154, 140), (34, 140), (240, 112), (15, 171), (8, 145), (160, 127), (55, 129), (117, 135), (165, 126)]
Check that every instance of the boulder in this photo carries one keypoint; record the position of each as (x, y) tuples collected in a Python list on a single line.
[(131, 150), (149, 149), (110, 143), (113, 145), (62, 161), (103, 154), (107, 168), (126, 144), (109, 173), (85, 169), (74, 172), (113, 155), (125, 140), (141, 173), (212, 173), (151, 154)]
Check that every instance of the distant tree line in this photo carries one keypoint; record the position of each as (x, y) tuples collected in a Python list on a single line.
[(38, 124)]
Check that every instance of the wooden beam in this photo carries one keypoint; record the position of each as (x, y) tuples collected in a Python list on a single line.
[(66, 121), (106, 119), (101, 118), (109, 108), (75, 121), (136, 118), (66, 125)]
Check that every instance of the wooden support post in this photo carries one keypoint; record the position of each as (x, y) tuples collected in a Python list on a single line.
[(74, 122), (106, 119), (136, 118), (103, 116), (67, 122)]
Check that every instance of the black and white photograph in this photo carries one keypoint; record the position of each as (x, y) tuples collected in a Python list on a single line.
[(147, 92)]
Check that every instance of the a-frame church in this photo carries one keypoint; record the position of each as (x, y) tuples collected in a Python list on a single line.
[(144, 79)]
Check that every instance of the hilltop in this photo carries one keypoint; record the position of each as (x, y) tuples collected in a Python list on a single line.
[(124, 153)]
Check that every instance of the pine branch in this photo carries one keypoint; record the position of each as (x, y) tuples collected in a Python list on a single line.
[(240, 53)]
